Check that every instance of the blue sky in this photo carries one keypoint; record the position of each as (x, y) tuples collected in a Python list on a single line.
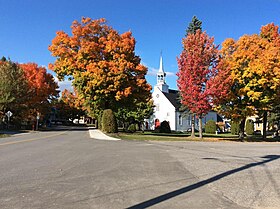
[(28, 26)]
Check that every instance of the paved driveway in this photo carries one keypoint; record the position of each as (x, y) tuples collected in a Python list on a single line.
[(68, 169)]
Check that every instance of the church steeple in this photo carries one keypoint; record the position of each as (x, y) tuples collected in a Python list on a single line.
[(161, 64), (161, 77)]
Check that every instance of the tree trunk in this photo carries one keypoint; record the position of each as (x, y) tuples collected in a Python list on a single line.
[(264, 124), (193, 126), (241, 129), (200, 127)]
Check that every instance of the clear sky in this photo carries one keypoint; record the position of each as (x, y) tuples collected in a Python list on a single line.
[(28, 26)]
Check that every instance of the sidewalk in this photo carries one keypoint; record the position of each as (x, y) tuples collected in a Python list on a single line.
[(13, 132), (97, 134)]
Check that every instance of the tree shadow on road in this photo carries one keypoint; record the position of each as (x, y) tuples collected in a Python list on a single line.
[(164, 197), (65, 128)]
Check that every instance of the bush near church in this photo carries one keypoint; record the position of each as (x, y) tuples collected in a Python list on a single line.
[(109, 122), (210, 127), (164, 127)]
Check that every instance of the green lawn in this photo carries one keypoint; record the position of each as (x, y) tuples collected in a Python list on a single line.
[(3, 135), (151, 136)]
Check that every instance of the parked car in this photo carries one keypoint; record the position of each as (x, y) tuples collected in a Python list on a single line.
[(190, 130)]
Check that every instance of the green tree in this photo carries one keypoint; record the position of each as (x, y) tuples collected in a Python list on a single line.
[(135, 113), (13, 89), (194, 25)]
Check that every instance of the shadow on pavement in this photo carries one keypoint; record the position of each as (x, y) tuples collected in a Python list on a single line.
[(66, 128), (164, 197), (47, 129)]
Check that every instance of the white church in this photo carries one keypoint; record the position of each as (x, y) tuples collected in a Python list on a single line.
[(167, 107)]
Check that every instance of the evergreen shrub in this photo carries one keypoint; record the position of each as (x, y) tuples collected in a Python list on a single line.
[(249, 127), (164, 127), (131, 128), (137, 128), (99, 121), (235, 128), (109, 122), (210, 127)]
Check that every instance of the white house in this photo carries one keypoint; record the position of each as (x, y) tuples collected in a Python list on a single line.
[(167, 107)]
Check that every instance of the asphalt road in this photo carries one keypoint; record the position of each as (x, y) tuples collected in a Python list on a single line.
[(68, 169)]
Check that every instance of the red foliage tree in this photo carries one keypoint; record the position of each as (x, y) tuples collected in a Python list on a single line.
[(197, 64), (42, 88)]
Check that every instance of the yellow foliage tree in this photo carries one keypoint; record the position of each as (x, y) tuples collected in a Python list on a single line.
[(253, 64)]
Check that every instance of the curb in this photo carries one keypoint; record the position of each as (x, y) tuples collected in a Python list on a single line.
[(97, 134)]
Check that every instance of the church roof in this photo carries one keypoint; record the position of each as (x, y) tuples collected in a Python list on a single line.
[(173, 97)]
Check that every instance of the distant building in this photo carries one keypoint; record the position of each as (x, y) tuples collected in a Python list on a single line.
[(258, 123), (167, 107)]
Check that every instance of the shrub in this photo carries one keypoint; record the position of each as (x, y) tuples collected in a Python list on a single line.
[(137, 127), (131, 128), (109, 123), (249, 127), (157, 130), (210, 127), (99, 121), (235, 128), (164, 127)]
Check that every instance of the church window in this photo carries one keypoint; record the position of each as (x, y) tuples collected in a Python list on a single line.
[(180, 120), (190, 120), (157, 107)]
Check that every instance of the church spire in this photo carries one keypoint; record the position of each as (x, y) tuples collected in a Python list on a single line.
[(161, 77), (161, 64)]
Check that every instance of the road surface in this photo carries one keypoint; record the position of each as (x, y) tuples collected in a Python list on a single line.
[(68, 169)]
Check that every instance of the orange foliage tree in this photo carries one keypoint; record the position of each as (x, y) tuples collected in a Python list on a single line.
[(42, 89), (252, 63), (102, 63), (69, 106)]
